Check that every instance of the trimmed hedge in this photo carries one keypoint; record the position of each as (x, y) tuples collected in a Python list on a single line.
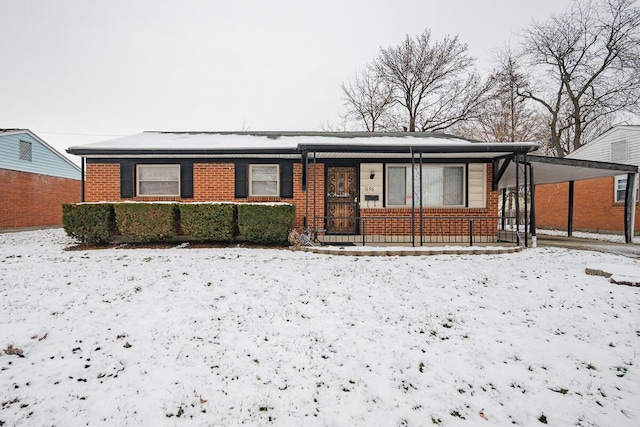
[(208, 221), (89, 223), (147, 222), (265, 223)]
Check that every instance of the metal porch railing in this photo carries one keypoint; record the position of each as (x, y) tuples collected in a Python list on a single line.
[(419, 231)]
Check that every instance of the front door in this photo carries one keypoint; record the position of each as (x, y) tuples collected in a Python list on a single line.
[(341, 199)]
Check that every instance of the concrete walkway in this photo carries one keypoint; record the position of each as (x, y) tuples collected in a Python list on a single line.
[(631, 250)]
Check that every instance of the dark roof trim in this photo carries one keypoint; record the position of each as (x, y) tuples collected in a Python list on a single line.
[(168, 152), (589, 164), (434, 149)]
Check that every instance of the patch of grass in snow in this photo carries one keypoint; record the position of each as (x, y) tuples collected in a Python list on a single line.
[(543, 419), (456, 413), (621, 371), (13, 351)]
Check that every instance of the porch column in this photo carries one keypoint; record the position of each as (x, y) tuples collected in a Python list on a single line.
[(517, 193), (526, 204), (413, 199), (315, 185), (305, 187), (570, 210)]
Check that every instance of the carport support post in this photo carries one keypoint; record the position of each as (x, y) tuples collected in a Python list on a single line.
[(526, 205), (532, 224), (629, 208), (570, 210)]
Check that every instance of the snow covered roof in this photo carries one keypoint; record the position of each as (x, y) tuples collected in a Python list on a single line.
[(324, 144)]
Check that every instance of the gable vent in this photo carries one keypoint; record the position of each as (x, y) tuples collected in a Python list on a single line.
[(619, 151), (25, 151)]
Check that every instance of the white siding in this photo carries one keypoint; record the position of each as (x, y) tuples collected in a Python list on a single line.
[(477, 185), (600, 148)]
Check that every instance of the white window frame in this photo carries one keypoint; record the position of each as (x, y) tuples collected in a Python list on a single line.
[(252, 193), (408, 184), (175, 167), (616, 184)]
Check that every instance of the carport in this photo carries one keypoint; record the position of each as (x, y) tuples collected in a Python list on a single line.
[(524, 172)]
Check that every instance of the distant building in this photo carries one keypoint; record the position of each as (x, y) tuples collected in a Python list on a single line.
[(35, 181), (599, 204)]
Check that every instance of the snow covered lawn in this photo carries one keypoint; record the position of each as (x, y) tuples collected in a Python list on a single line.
[(195, 337)]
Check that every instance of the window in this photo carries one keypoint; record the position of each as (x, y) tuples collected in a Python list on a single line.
[(441, 185), (25, 151), (621, 188), (263, 180), (158, 180)]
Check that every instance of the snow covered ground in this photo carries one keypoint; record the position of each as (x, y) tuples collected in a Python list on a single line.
[(199, 337)]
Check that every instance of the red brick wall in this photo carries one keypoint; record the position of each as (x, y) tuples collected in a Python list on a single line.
[(33, 200), (212, 182), (593, 206), (102, 182), (215, 182)]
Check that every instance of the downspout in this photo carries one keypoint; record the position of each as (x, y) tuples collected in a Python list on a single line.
[(82, 171)]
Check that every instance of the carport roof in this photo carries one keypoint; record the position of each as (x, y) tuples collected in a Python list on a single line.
[(551, 170)]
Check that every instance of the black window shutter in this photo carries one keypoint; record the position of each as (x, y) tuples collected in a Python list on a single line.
[(186, 180), (126, 180), (241, 180), (286, 180)]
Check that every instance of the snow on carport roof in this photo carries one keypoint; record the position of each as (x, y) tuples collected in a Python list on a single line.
[(551, 170)]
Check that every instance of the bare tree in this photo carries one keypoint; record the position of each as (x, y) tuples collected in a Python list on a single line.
[(368, 97), (588, 62), (505, 116), (433, 81), (421, 85)]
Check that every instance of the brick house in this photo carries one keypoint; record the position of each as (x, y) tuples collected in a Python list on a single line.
[(598, 204), (345, 185), (36, 181)]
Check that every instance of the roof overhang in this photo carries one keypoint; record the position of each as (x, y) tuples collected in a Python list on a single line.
[(321, 145), (552, 170)]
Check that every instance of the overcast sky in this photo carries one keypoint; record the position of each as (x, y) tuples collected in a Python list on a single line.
[(79, 71)]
